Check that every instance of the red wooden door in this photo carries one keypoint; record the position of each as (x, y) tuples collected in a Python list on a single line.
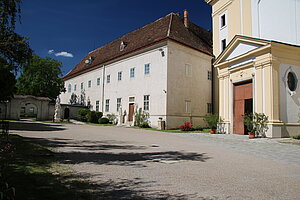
[(242, 93), (131, 110)]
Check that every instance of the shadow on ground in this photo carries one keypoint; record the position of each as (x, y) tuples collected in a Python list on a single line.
[(100, 152), (33, 126), (27, 165)]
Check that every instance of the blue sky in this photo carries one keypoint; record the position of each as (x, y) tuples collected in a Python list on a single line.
[(72, 28)]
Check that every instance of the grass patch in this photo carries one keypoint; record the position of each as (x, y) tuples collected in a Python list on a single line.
[(28, 169), (52, 122), (89, 123), (174, 130)]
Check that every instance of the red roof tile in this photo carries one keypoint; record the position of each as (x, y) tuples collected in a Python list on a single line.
[(168, 27)]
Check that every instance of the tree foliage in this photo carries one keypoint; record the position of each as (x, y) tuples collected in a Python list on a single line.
[(41, 77), (7, 81)]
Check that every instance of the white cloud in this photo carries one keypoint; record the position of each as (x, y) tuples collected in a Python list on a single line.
[(64, 54), (51, 51)]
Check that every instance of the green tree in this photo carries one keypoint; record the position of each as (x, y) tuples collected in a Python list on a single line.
[(41, 77), (14, 49), (7, 81)]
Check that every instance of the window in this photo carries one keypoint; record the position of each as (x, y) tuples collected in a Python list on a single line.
[(69, 88), (97, 106), (119, 101), (22, 110), (107, 105), (209, 75), (108, 79), (209, 108), (90, 83), (131, 99), (132, 72), (31, 110), (188, 70), (223, 20), (81, 86), (146, 102), (98, 81), (292, 81), (147, 69), (188, 106), (223, 43), (75, 86), (119, 76)]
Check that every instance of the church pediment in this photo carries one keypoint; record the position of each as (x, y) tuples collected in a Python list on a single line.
[(240, 45)]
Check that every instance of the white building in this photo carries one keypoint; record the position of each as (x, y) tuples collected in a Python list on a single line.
[(163, 68)]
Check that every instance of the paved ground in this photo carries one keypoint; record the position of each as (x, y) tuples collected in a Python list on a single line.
[(129, 163)]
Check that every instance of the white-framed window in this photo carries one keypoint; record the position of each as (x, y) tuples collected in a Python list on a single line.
[(81, 86), (187, 106), (75, 87), (119, 76), (146, 102), (69, 88), (132, 70), (90, 83), (97, 106), (108, 79), (131, 99), (98, 81), (147, 69), (119, 102), (223, 44), (209, 75), (107, 105), (209, 108), (188, 70), (223, 20)]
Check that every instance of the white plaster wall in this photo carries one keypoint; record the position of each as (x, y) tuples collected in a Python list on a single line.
[(94, 93), (276, 20), (223, 31), (195, 88), (289, 104), (241, 49), (152, 84)]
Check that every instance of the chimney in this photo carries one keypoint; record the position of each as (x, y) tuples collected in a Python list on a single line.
[(186, 18)]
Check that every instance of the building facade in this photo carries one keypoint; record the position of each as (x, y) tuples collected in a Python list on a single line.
[(163, 68), (256, 44)]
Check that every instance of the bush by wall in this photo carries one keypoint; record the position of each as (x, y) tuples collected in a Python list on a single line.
[(82, 114), (103, 120), (93, 116)]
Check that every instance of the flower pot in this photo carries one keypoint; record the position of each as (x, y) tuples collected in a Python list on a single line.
[(212, 131), (251, 135)]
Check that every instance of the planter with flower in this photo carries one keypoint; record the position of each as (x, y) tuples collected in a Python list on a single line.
[(187, 126), (212, 122), (255, 124)]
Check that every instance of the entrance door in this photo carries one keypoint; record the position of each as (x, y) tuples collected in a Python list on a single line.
[(131, 110), (242, 105)]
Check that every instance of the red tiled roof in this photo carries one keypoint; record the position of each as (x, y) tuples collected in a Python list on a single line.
[(169, 27)]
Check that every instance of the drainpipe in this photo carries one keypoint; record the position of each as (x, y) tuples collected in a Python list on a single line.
[(103, 80)]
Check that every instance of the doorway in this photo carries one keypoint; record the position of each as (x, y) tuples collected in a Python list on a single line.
[(243, 104), (131, 111)]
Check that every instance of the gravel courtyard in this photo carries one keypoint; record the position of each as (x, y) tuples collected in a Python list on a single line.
[(141, 164)]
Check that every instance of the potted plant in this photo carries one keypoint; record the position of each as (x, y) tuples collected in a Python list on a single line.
[(249, 122), (255, 124), (212, 122)]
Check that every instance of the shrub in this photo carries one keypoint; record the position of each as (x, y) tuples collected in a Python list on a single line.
[(144, 125), (212, 120), (141, 116), (93, 116), (103, 120), (186, 127), (197, 128), (297, 137), (82, 113), (111, 117)]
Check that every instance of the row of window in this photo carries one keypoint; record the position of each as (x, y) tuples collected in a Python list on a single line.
[(119, 102), (131, 74)]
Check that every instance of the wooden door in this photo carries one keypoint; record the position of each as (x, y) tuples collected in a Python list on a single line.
[(131, 111), (242, 104)]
